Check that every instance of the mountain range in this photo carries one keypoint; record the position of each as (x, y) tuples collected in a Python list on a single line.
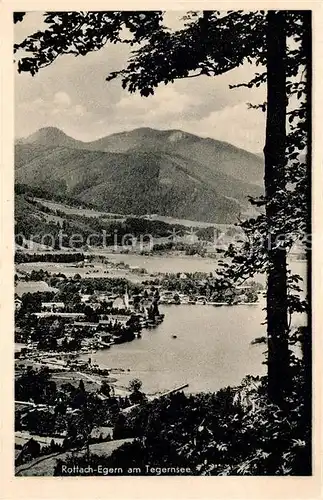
[(166, 172)]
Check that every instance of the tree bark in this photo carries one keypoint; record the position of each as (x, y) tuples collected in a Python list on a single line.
[(307, 339), (275, 159)]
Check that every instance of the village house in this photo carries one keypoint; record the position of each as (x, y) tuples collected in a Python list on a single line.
[(118, 303), (102, 433), (84, 324), (105, 297), (102, 336), (52, 306), (166, 296), (85, 298), (115, 318), (45, 314), (18, 303)]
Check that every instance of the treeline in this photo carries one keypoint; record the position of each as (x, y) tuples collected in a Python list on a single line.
[(41, 206), (35, 275), (157, 228), (206, 285), (40, 192), (116, 229), (30, 191), (189, 249), (89, 286), (21, 257)]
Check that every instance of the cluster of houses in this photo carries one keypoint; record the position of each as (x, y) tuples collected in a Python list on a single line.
[(174, 297), (121, 321), (95, 301), (140, 303)]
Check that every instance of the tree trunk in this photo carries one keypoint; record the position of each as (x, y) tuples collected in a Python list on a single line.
[(307, 339), (275, 159)]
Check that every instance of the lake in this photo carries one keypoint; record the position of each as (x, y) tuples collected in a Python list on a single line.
[(180, 263), (213, 345), (166, 263), (212, 349)]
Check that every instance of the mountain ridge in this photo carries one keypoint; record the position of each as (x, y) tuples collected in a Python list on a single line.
[(144, 138), (168, 172), (29, 138)]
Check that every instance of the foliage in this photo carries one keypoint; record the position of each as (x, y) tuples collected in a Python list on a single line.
[(30, 303), (35, 385), (135, 385), (79, 33), (48, 257), (89, 410), (105, 388), (188, 248), (233, 432)]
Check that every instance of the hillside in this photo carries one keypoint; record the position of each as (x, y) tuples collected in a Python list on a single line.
[(36, 219), (144, 171), (217, 155)]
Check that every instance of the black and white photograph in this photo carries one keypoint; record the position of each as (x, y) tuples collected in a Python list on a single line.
[(162, 243)]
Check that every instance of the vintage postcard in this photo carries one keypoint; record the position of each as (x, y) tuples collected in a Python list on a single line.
[(161, 185)]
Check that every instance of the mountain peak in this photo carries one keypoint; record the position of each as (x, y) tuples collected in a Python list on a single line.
[(51, 136), (49, 133), (51, 130)]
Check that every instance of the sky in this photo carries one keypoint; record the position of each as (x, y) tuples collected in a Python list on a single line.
[(73, 95)]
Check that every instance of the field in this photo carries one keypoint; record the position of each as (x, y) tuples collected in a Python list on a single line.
[(187, 223), (44, 466), (167, 263), (153, 264), (107, 216), (33, 286), (97, 271), (87, 212)]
